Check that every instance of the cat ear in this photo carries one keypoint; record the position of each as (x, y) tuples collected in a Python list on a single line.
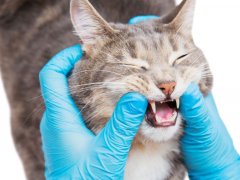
[(88, 24), (181, 19)]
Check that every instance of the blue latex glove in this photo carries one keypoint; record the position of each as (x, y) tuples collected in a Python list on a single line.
[(138, 19), (71, 150), (206, 145)]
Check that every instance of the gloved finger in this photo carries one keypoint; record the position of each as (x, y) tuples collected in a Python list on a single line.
[(138, 19), (192, 105), (119, 132), (53, 76), (60, 106)]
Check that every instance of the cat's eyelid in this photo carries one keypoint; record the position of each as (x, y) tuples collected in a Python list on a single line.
[(180, 59), (174, 56), (182, 56), (139, 63)]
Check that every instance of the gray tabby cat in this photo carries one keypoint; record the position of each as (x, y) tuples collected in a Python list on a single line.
[(156, 58)]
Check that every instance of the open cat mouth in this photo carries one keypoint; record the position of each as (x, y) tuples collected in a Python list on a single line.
[(162, 114)]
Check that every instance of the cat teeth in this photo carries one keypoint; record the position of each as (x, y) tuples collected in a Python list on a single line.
[(158, 119), (177, 103), (173, 117), (153, 104)]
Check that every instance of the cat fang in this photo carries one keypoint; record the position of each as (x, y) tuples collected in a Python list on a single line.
[(162, 114)]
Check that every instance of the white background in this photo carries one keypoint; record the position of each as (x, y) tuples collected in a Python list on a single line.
[(217, 33)]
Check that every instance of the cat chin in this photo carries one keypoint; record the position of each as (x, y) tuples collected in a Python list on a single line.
[(148, 133)]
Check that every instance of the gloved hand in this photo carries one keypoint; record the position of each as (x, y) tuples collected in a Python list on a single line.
[(71, 150), (206, 145)]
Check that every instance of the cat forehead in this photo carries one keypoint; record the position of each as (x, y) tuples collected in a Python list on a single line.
[(150, 36), (157, 44), (146, 43)]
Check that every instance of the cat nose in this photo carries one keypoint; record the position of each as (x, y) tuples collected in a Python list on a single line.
[(167, 87)]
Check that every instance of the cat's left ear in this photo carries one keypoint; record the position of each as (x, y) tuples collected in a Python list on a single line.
[(181, 19), (88, 24)]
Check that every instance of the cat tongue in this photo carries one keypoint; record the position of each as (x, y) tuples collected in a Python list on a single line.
[(164, 111)]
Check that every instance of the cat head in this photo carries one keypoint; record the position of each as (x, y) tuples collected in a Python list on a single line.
[(157, 58)]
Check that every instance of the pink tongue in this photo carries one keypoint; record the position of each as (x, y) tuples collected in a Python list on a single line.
[(164, 111)]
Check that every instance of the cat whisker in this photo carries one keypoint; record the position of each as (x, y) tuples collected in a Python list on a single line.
[(78, 72), (85, 89), (39, 108), (85, 106), (93, 115), (193, 62), (129, 66), (112, 57), (77, 91), (34, 98), (90, 88), (96, 83)]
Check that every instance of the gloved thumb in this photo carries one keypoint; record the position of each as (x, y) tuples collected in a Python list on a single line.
[(192, 105), (119, 132)]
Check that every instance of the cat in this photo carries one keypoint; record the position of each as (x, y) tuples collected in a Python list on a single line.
[(156, 58), (32, 32)]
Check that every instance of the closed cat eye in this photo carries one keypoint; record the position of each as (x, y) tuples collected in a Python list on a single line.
[(179, 59), (144, 68)]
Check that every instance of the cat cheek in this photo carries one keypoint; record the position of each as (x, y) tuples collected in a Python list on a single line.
[(136, 83), (205, 85)]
